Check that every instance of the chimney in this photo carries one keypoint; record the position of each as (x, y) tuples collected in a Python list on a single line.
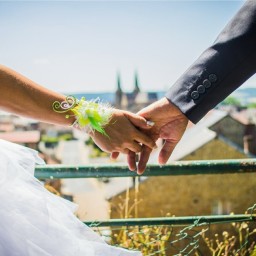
[(250, 139)]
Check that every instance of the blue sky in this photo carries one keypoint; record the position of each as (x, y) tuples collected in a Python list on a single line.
[(80, 46)]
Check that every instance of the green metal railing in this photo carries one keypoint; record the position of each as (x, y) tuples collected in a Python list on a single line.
[(121, 170), (212, 167), (176, 168), (174, 221)]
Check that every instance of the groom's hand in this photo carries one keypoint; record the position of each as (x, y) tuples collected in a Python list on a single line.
[(170, 124)]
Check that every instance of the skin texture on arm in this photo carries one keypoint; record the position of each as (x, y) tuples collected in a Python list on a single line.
[(21, 96), (170, 125)]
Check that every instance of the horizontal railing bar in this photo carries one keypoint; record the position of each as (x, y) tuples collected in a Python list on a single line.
[(121, 170), (173, 221)]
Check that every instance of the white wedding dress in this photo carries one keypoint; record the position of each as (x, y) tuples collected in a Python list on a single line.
[(33, 221)]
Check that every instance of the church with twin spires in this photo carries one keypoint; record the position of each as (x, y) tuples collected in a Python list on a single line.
[(135, 100)]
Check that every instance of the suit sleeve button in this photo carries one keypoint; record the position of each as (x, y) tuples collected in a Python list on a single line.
[(195, 95), (212, 78), (201, 88), (207, 83)]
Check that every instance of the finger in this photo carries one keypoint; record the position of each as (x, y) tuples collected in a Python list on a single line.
[(145, 140), (135, 147), (114, 155), (166, 151), (125, 151), (144, 156), (139, 121), (131, 161)]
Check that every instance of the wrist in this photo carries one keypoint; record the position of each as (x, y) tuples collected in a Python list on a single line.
[(172, 108), (89, 116), (169, 110)]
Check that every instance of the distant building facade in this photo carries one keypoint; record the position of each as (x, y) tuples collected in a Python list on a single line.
[(135, 100)]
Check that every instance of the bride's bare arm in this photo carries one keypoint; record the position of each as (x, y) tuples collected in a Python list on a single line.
[(21, 96)]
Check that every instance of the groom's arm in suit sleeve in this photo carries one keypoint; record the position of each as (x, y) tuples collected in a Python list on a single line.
[(220, 69)]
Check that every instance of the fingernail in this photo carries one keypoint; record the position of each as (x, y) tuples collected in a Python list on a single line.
[(150, 123)]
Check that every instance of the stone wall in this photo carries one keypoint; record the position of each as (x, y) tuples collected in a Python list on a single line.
[(195, 194)]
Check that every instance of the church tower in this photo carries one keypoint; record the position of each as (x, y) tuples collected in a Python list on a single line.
[(119, 93), (136, 89)]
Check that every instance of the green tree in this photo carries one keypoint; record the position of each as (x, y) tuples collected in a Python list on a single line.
[(232, 101), (252, 105)]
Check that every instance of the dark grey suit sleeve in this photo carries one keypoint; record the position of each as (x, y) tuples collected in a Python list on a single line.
[(220, 69)]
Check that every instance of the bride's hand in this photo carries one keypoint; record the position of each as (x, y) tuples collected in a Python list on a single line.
[(122, 134)]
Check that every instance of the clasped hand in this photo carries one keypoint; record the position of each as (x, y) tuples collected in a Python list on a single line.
[(129, 133)]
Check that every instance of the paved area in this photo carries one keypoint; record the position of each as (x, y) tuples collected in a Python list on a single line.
[(88, 193)]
